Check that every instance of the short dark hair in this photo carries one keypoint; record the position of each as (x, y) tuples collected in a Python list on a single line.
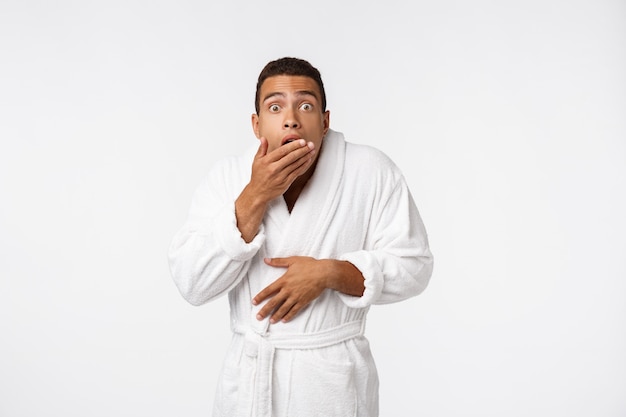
[(289, 66)]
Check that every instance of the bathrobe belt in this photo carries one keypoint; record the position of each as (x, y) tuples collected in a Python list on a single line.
[(255, 398)]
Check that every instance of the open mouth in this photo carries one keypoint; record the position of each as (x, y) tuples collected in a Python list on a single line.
[(290, 139)]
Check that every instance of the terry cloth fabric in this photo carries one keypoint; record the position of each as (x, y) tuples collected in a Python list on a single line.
[(260, 349), (356, 207)]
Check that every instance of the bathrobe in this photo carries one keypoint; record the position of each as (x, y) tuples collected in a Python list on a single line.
[(356, 207)]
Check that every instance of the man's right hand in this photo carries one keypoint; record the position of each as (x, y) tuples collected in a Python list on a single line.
[(274, 172), (272, 175)]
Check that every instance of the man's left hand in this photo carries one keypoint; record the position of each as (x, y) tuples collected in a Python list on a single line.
[(303, 282)]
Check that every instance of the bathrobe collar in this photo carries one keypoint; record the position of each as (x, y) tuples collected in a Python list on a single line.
[(314, 210)]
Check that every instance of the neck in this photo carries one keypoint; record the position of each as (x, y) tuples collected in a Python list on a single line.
[(294, 190)]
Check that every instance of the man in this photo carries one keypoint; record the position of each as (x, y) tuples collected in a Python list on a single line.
[(304, 233)]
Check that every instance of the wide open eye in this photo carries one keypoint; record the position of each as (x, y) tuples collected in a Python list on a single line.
[(274, 108), (306, 106)]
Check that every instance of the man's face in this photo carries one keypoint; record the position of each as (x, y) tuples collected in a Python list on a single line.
[(290, 108)]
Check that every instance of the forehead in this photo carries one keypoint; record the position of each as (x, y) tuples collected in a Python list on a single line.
[(288, 84)]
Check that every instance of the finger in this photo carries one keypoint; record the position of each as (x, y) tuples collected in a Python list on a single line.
[(301, 164), (284, 309), (301, 151), (265, 293), (291, 147), (262, 151), (271, 305), (278, 262), (293, 151), (293, 311)]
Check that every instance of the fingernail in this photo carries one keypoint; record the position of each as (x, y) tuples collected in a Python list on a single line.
[(259, 317), (311, 145), (302, 142)]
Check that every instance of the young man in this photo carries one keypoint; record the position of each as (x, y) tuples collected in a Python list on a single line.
[(303, 232)]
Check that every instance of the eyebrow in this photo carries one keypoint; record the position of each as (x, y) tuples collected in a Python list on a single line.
[(282, 95)]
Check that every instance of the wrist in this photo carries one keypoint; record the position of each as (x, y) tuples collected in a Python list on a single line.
[(252, 200), (344, 277), (249, 212)]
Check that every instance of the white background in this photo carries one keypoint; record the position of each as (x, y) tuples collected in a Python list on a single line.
[(508, 119)]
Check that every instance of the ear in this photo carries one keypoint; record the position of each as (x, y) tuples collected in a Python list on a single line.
[(255, 125), (326, 121)]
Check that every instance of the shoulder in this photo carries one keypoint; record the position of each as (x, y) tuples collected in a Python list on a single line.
[(231, 164), (357, 154), (369, 172), (366, 160), (370, 154), (230, 172)]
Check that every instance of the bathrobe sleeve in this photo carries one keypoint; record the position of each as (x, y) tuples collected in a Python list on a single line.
[(207, 256), (397, 262)]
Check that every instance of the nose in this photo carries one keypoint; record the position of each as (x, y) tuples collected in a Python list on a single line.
[(291, 120)]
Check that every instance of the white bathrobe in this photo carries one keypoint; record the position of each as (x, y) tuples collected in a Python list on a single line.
[(356, 207)]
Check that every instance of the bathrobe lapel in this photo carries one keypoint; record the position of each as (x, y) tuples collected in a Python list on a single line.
[(305, 228)]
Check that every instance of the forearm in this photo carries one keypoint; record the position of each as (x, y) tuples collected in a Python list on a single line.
[(201, 270), (344, 277), (249, 211)]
